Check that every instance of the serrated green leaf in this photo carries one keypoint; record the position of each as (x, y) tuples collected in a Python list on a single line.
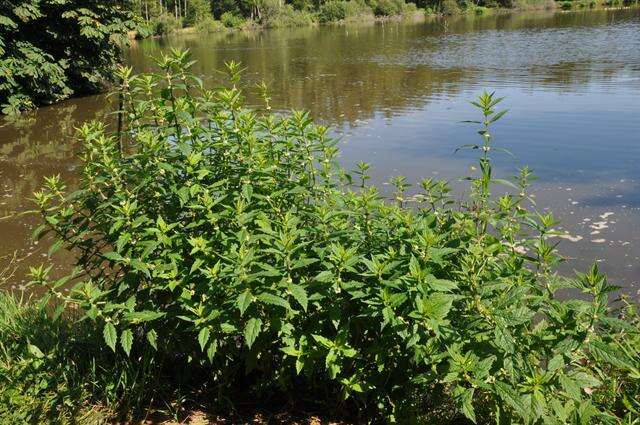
[(252, 330), (570, 387), (244, 301), (583, 379), (269, 298), (140, 266), (303, 262), (557, 362), (290, 351), (437, 305), (203, 337), (113, 256), (327, 343), (503, 339), (512, 398), (300, 295), (211, 350), (110, 335), (464, 398), (152, 337), (142, 316), (126, 340), (611, 355), (443, 285), (227, 328), (325, 276)]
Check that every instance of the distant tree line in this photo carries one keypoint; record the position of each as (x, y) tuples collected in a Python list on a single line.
[(254, 9), (167, 15)]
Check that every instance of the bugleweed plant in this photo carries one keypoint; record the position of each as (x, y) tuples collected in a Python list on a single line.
[(210, 234)]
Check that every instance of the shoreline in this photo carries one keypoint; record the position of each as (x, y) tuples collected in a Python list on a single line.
[(551, 6)]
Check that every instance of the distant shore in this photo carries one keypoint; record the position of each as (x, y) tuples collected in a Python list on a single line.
[(567, 6)]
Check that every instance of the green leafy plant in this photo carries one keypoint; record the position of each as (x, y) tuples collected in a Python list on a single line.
[(449, 7), (332, 11), (230, 20), (339, 10), (388, 7), (277, 15), (209, 25), (198, 11), (53, 49), (229, 239), (165, 24)]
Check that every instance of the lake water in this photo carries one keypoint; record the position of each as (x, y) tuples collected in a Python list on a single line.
[(395, 94)]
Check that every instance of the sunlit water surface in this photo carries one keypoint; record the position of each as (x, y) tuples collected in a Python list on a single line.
[(395, 94)]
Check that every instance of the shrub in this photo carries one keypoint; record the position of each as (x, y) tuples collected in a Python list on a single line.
[(230, 20), (275, 15), (144, 30), (53, 49), (388, 7), (355, 8), (302, 4), (336, 10), (410, 8), (165, 24), (333, 11), (450, 7), (209, 25), (234, 7), (230, 239), (198, 11), (532, 4)]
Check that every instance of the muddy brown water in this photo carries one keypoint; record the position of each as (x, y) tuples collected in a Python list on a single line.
[(395, 94)]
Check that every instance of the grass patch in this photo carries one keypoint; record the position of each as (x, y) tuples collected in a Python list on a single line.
[(39, 379)]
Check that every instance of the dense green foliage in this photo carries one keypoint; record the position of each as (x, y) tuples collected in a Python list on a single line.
[(209, 25), (265, 13), (274, 14), (164, 24), (231, 20), (259, 9), (227, 240), (210, 16), (53, 49), (243, 13), (339, 10)]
